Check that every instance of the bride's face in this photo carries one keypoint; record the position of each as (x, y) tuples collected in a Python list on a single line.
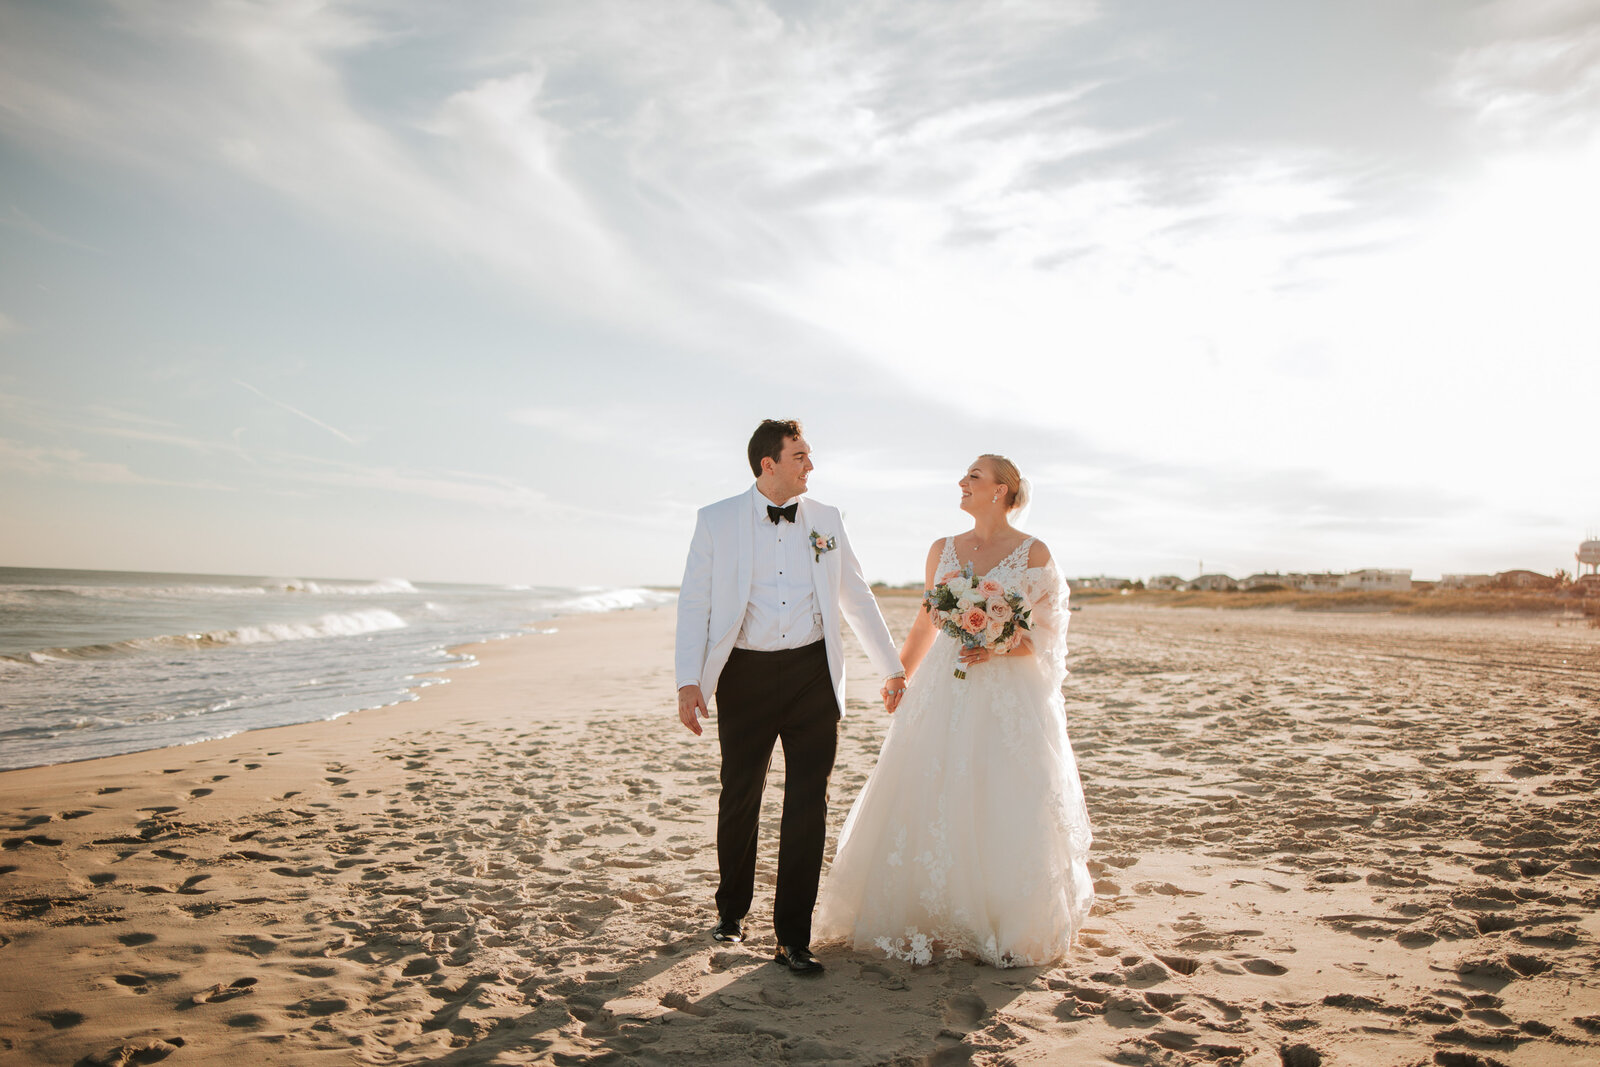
[(979, 488)]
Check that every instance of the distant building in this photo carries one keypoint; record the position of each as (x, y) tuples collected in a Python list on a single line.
[(1213, 583), (1100, 582), (1267, 581), (1326, 582), (1165, 581), (1375, 579), (1524, 580), (1465, 581)]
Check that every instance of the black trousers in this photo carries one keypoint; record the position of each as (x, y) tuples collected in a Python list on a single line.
[(764, 698)]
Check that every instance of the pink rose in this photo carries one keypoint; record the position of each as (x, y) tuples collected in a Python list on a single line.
[(999, 610), (944, 579), (991, 589), (974, 620)]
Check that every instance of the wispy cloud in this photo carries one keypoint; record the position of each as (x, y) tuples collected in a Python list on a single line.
[(267, 470), (312, 419), (47, 463), (16, 219), (1537, 79)]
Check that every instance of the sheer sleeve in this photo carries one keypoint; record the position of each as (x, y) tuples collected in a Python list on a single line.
[(1047, 594)]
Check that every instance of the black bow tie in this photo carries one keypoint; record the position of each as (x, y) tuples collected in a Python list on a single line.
[(775, 513)]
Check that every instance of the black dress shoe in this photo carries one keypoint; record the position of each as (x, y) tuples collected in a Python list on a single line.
[(727, 930), (798, 960)]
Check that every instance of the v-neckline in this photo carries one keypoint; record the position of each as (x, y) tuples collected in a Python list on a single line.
[(1001, 562)]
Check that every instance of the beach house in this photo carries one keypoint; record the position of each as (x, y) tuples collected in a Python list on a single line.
[(1376, 579)]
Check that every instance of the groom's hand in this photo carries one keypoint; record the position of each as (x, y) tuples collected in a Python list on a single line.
[(692, 708)]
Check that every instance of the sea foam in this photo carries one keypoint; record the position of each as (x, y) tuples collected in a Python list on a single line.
[(336, 624)]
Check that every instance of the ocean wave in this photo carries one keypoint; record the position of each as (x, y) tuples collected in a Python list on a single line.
[(379, 587), (339, 624), (614, 600), (28, 594)]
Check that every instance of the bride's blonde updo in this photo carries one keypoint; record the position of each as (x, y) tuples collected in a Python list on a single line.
[(1006, 473)]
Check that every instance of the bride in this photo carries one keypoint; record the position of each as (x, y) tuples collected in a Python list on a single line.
[(971, 835)]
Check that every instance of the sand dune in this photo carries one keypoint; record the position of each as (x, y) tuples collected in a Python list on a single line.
[(1320, 840)]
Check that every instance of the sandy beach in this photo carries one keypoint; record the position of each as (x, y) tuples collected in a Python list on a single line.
[(1320, 840)]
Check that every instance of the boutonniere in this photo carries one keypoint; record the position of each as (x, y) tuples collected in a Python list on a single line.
[(821, 543)]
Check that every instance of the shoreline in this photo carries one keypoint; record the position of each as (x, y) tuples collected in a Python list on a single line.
[(1361, 838)]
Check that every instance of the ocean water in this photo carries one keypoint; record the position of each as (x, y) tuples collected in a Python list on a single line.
[(94, 663)]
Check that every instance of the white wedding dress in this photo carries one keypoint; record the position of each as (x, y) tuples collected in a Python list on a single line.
[(971, 836)]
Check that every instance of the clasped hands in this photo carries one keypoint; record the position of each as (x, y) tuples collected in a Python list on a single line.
[(692, 703)]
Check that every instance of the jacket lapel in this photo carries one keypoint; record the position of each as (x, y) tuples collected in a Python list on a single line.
[(747, 536), (823, 583)]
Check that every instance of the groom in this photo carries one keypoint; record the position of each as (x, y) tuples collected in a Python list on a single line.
[(768, 576)]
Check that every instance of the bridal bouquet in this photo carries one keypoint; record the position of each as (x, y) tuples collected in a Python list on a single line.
[(978, 613)]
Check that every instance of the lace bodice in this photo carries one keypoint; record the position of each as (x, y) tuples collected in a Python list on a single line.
[(1008, 572)]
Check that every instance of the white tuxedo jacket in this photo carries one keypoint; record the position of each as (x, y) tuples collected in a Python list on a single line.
[(716, 592)]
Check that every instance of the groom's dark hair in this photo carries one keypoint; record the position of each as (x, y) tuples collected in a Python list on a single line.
[(767, 441)]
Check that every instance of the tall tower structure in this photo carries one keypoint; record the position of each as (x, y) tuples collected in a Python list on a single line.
[(1589, 556)]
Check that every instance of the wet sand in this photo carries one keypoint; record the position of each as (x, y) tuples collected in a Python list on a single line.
[(1319, 840)]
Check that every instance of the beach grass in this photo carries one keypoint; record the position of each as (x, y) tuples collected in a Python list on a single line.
[(1417, 602)]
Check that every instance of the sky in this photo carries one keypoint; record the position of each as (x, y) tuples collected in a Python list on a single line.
[(496, 292)]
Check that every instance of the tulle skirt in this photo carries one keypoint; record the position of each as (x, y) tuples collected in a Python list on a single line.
[(971, 836)]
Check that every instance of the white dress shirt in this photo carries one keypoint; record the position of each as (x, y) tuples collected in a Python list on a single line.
[(782, 612)]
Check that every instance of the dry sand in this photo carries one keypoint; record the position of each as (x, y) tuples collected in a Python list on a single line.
[(1341, 840)]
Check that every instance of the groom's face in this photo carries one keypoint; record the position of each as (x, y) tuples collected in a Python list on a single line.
[(791, 468)]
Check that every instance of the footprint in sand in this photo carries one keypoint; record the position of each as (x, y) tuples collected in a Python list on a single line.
[(251, 945), (12, 843), (319, 1006), (239, 987), (60, 1020), (964, 1011), (679, 1001), (141, 983), (1261, 966), (151, 1051)]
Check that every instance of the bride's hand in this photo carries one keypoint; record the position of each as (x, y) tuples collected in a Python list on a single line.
[(969, 656)]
